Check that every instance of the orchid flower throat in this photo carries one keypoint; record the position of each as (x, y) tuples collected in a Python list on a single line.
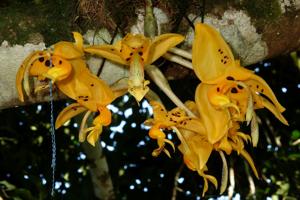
[(230, 94)]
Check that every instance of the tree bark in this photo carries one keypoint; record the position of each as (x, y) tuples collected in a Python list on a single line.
[(103, 187), (255, 31)]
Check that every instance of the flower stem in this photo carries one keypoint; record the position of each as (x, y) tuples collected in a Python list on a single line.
[(181, 53), (159, 79), (178, 60)]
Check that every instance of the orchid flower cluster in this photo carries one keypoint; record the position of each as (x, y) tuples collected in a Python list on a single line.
[(227, 96)]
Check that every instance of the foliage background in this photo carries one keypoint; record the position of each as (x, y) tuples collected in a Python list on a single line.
[(25, 153)]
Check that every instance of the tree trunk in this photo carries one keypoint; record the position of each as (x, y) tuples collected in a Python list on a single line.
[(103, 187)]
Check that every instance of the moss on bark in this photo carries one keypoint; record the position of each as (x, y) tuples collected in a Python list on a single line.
[(23, 21)]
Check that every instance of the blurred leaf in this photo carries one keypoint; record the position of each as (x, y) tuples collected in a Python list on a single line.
[(8, 186), (295, 134), (294, 156)]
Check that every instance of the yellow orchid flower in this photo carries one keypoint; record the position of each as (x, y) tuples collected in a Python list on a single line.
[(228, 85), (66, 68), (201, 135), (195, 152), (137, 51), (163, 119), (213, 63)]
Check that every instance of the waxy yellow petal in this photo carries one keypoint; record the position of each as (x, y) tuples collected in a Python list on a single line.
[(159, 111), (224, 145), (78, 40), (67, 50), (198, 149), (250, 161), (176, 116), (67, 113), (38, 67), (224, 180), (161, 44), (70, 50), (107, 51), (135, 44), (93, 136), (210, 53), (24, 73), (104, 118), (192, 124), (191, 105), (216, 122), (61, 69), (274, 110), (19, 80), (203, 149), (206, 177), (254, 131), (259, 85), (86, 88)]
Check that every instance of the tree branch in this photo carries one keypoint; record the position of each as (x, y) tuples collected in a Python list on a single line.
[(254, 30)]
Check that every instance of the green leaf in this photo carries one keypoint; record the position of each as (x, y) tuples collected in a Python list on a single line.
[(295, 134)]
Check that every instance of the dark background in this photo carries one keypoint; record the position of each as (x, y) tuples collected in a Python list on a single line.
[(25, 153)]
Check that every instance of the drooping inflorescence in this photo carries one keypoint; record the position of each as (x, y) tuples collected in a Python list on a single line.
[(226, 97)]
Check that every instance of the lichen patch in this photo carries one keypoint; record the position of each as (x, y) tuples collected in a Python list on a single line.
[(286, 5), (239, 32)]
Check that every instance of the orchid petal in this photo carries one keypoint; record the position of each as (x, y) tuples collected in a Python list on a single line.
[(68, 113), (195, 148), (259, 85), (24, 73), (61, 69), (254, 131), (93, 137), (135, 44), (274, 110), (224, 180), (216, 122), (225, 145), (67, 50), (25, 67), (78, 40), (250, 161), (161, 44), (82, 130), (250, 110), (107, 51), (85, 87), (104, 118), (210, 53), (137, 86)]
